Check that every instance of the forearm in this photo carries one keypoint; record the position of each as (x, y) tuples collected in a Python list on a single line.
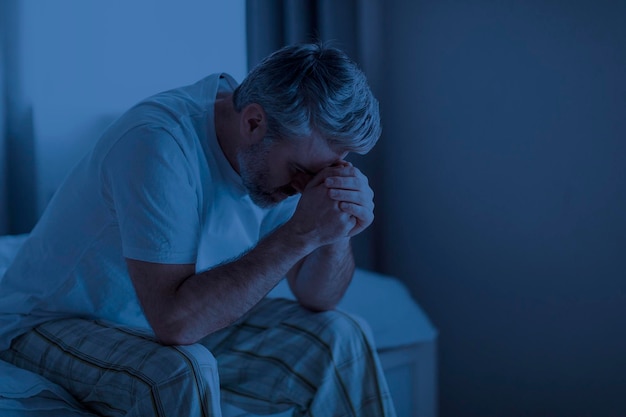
[(312, 249), (208, 301), (320, 280)]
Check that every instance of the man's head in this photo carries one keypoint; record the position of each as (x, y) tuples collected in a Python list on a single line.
[(315, 106), (311, 89)]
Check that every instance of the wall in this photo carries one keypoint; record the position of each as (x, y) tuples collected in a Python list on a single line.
[(505, 198), (83, 63)]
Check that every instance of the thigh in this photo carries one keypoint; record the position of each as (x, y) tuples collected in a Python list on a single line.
[(280, 355), (279, 323), (119, 372)]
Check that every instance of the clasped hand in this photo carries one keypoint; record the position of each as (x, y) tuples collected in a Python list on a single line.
[(336, 203)]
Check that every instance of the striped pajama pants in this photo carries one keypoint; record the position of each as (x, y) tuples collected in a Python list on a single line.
[(278, 356)]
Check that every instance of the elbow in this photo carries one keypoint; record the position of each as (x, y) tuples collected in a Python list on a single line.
[(318, 302), (169, 329), (173, 331)]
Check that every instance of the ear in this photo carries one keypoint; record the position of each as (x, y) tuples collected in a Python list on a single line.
[(253, 123)]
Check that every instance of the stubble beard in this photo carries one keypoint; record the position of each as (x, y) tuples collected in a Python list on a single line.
[(254, 172)]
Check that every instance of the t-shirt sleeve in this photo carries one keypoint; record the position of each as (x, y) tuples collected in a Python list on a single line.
[(154, 197)]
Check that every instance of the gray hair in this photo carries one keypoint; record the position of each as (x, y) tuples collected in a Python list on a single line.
[(313, 88)]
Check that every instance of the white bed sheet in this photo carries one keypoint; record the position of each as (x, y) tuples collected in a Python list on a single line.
[(24, 393)]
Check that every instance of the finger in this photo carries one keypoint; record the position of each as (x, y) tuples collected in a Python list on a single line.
[(330, 171), (363, 215), (340, 171), (346, 183), (363, 218), (361, 194), (341, 163), (350, 196)]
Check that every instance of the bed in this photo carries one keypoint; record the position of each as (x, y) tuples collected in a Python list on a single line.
[(405, 340)]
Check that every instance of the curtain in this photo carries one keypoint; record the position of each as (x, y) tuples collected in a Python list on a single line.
[(354, 26), (18, 202)]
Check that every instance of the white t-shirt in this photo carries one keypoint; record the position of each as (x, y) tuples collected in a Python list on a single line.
[(156, 187)]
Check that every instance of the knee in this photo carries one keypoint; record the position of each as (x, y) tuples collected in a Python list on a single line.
[(177, 378), (187, 364)]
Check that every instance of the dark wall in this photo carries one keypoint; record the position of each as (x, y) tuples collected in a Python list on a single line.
[(504, 205), (4, 216)]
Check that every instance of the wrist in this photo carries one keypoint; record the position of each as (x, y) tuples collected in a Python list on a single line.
[(338, 247), (295, 240)]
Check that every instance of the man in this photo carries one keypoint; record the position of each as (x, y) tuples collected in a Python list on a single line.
[(168, 235)]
